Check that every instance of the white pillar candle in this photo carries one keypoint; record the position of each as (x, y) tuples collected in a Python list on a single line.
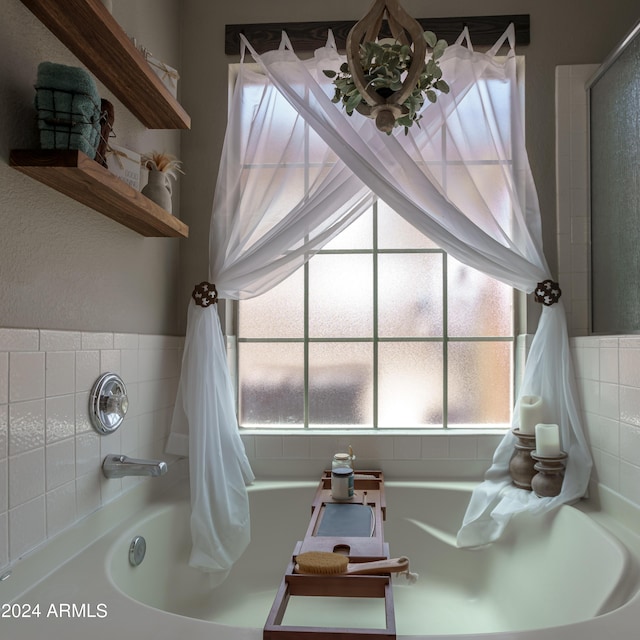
[(531, 413), (547, 440)]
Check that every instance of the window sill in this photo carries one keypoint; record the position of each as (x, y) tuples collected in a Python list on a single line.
[(353, 432)]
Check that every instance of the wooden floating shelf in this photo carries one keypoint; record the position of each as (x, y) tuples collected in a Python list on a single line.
[(88, 30), (73, 173)]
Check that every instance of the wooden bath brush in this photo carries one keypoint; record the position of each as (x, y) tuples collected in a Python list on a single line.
[(327, 563)]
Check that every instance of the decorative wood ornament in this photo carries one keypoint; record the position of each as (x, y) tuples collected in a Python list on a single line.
[(405, 30)]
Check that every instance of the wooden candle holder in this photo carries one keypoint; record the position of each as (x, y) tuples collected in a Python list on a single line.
[(547, 483), (521, 465)]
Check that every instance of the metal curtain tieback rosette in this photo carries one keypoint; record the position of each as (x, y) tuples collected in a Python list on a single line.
[(205, 294), (547, 292)]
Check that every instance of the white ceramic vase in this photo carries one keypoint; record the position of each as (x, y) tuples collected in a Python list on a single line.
[(158, 189)]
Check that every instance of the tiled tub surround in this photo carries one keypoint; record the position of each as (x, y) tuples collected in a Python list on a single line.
[(454, 454), (572, 194), (608, 373), (50, 455)]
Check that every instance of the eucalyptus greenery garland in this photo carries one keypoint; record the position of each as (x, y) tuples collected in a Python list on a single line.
[(385, 64)]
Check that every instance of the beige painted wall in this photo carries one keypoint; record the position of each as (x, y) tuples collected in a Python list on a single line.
[(567, 32), (62, 265)]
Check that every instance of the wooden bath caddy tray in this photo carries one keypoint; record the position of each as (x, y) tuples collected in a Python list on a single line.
[(352, 527), (337, 525)]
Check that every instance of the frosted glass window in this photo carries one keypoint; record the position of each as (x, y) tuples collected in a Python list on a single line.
[(271, 384), (410, 386), (341, 384), (358, 235), (482, 146), (479, 389), (410, 295), (273, 148), (340, 296), (395, 233), (372, 337), (255, 315), (476, 193), (478, 304), (272, 189)]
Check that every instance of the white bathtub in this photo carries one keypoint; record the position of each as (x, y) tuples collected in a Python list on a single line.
[(561, 576)]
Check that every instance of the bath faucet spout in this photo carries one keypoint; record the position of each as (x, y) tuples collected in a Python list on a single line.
[(116, 465)]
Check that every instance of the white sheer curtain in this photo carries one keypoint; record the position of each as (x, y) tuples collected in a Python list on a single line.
[(262, 230), (484, 214)]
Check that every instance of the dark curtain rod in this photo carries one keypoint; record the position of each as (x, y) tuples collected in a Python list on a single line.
[(308, 36)]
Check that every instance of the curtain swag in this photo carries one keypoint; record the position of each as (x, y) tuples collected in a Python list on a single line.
[(484, 215)]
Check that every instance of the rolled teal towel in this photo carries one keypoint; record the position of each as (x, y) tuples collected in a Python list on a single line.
[(68, 105)]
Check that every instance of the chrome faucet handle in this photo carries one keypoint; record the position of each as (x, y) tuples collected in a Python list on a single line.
[(108, 403)]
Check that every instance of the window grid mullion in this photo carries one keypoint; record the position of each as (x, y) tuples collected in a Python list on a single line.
[(375, 314), (306, 346), (445, 302), (445, 343), (306, 295)]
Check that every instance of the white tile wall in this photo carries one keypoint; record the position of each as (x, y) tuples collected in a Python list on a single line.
[(450, 454), (572, 193), (50, 455), (609, 384), (607, 368)]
